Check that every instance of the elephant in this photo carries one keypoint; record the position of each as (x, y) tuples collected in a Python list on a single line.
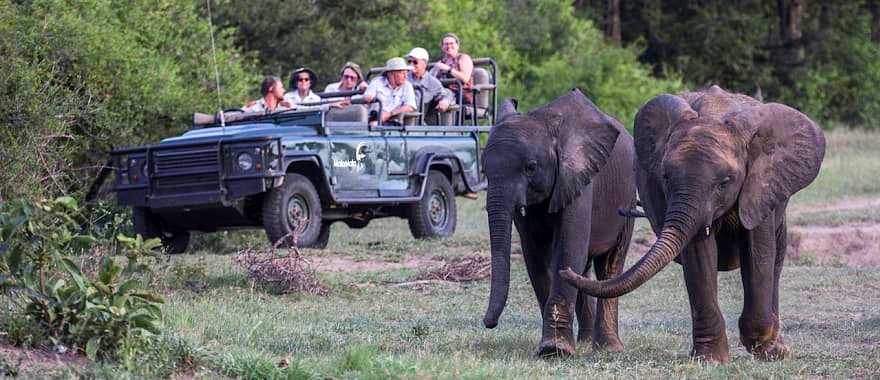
[(553, 172), (715, 171)]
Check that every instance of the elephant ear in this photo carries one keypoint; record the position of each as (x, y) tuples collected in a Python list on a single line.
[(584, 139), (785, 150), (653, 125), (507, 108)]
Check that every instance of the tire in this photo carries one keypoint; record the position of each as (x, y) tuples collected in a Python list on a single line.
[(149, 226), (356, 224), (434, 216), (297, 194), (323, 236)]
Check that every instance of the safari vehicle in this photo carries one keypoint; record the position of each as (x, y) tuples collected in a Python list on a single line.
[(296, 172)]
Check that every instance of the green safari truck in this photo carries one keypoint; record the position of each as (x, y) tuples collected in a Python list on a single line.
[(294, 173)]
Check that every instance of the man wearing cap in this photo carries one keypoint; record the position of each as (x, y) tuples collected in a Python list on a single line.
[(391, 90), (273, 95), (433, 94)]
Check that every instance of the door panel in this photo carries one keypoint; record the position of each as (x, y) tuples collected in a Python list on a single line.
[(359, 161)]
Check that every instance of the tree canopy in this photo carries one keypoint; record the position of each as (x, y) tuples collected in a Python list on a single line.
[(78, 78)]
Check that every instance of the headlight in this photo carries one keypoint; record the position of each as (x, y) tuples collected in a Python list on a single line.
[(245, 161), (134, 170)]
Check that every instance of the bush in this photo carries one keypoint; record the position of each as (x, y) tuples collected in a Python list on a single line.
[(78, 78), (108, 315)]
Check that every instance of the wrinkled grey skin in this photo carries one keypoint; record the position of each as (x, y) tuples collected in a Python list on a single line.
[(560, 173), (715, 173)]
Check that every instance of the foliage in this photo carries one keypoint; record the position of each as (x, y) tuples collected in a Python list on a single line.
[(78, 78), (542, 49), (107, 316), (830, 72)]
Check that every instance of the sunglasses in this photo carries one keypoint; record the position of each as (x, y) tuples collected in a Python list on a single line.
[(349, 77), (413, 62), (303, 79)]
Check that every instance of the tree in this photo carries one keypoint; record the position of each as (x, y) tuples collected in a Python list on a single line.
[(78, 78), (612, 21)]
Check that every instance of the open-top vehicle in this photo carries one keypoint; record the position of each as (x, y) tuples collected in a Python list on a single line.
[(302, 170)]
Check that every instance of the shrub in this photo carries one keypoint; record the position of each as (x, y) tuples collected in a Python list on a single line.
[(107, 316), (78, 78)]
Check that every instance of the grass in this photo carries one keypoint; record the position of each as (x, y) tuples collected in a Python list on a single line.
[(222, 326)]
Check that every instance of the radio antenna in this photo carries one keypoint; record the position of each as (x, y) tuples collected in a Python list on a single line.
[(216, 70)]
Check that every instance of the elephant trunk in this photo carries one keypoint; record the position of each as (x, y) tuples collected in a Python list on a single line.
[(678, 229), (499, 210)]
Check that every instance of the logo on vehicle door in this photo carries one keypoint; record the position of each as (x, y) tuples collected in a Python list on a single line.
[(360, 153)]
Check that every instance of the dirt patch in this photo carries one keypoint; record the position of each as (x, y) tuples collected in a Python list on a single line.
[(846, 204), (461, 269), (347, 264), (35, 361), (854, 245)]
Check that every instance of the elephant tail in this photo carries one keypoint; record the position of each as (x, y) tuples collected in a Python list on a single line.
[(633, 211)]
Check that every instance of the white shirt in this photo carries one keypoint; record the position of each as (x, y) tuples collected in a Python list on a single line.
[(391, 98), (294, 97), (334, 87)]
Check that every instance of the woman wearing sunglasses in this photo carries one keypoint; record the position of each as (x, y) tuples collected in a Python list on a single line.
[(302, 79), (350, 78), (455, 65)]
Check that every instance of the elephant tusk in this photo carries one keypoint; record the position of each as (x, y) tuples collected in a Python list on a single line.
[(522, 210), (707, 230)]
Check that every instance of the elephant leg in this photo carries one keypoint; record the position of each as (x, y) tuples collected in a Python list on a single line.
[(570, 244), (606, 336), (608, 266), (585, 309), (537, 244), (700, 262), (761, 268), (539, 273)]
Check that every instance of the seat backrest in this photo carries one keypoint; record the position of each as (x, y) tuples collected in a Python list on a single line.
[(353, 113), (482, 76)]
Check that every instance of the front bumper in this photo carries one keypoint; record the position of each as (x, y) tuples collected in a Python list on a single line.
[(194, 174)]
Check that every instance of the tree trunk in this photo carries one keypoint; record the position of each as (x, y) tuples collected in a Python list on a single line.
[(612, 21), (791, 13), (874, 8)]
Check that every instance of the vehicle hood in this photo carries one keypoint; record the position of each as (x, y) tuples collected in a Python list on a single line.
[(240, 131)]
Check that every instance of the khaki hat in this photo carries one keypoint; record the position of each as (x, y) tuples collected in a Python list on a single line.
[(396, 64), (418, 53)]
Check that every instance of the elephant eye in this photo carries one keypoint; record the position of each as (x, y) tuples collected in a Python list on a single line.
[(724, 182), (531, 168)]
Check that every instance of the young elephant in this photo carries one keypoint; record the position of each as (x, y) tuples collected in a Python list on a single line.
[(560, 173), (715, 172)]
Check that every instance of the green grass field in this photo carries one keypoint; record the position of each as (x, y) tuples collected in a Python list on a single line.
[(220, 325)]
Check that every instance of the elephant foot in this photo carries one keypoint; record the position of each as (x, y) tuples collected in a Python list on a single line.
[(554, 348), (585, 336), (712, 351), (771, 351), (763, 339), (711, 357), (607, 343)]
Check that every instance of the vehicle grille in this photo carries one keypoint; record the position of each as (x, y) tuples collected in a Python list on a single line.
[(191, 169)]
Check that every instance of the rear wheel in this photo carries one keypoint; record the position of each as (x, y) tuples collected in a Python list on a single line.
[(150, 226), (434, 216), (292, 212)]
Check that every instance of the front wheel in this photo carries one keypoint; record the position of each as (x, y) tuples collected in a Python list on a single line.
[(149, 226), (292, 212), (434, 216)]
